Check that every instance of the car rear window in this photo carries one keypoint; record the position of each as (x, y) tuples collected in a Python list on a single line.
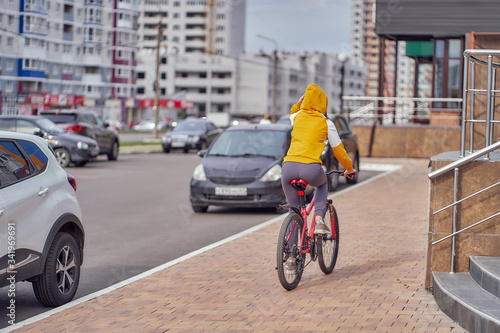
[(60, 118)]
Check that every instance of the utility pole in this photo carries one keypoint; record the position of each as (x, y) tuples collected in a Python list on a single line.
[(275, 82), (156, 108), (275, 74), (211, 24)]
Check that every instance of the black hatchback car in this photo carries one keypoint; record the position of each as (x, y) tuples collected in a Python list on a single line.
[(88, 123), (68, 147), (242, 168), (191, 133)]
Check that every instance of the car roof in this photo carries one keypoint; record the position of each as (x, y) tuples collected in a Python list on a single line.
[(72, 111), (268, 127), (21, 116), (195, 119), (21, 136)]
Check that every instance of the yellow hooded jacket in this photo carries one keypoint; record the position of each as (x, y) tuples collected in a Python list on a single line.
[(311, 128)]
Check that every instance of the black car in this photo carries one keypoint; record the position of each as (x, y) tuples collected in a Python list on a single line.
[(68, 147), (242, 168), (88, 123), (350, 141), (191, 133)]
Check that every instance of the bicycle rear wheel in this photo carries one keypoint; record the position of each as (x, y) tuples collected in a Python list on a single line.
[(288, 242), (328, 247)]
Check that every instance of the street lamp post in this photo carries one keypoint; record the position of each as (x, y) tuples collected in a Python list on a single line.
[(275, 74), (342, 59), (156, 107)]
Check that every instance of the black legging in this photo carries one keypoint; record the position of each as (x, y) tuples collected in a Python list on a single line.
[(314, 175)]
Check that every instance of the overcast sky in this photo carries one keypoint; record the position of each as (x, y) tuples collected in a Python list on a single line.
[(298, 25)]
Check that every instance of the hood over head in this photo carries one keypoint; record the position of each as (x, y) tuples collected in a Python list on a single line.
[(315, 99)]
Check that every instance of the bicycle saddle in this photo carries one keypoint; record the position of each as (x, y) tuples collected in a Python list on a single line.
[(299, 184)]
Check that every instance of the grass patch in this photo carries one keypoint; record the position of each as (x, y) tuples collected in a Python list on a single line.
[(139, 143)]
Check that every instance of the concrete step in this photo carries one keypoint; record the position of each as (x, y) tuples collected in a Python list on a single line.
[(486, 272), (465, 301)]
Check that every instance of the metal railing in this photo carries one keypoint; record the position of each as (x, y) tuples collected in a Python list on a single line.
[(454, 166), (401, 110), (469, 64), (471, 60)]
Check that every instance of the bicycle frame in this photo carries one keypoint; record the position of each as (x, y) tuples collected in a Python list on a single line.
[(305, 211)]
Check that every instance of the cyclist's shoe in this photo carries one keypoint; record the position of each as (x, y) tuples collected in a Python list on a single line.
[(320, 228), (291, 266)]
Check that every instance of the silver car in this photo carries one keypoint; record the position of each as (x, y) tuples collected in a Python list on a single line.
[(41, 230)]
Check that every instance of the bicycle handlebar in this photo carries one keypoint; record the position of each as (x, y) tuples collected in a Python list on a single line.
[(340, 172)]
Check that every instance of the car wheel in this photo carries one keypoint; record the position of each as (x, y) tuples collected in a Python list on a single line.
[(333, 179), (113, 154), (355, 165), (62, 155), (58, 283), (199, 208), (186, 151)]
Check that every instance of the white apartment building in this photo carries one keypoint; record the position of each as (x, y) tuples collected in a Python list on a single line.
[(201, 58), (399, 73), (197, 48), (63, 54), (101, 54)]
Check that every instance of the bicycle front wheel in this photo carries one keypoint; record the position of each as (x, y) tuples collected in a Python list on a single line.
[(328, 247), (288, 249)]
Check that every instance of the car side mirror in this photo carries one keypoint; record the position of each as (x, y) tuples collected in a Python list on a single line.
[(202, 153), (38, 132)]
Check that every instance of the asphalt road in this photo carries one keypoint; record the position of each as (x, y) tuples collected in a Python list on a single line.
[(137, 216)]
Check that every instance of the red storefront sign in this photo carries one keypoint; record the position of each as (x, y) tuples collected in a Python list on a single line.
[(50, 100), (167, 103)]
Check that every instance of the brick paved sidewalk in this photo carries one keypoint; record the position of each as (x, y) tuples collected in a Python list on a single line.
[(377, 285)]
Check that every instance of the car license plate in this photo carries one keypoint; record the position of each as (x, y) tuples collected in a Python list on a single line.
[(236, 191), (177, 144)]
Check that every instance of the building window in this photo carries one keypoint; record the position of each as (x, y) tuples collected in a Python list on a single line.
[(9, 86)]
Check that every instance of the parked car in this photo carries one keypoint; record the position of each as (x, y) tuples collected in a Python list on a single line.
[(117, 124), (69, 148), (242, 168), (148, 125), (350, 141), (88, 123), (144, 126), (192, 133), (42, 235), (238, 121)]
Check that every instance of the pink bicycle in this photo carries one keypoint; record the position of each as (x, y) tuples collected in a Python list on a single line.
[(324, 248)]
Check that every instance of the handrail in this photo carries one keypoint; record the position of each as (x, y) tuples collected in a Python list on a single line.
[(469, 94), (464, 160), (467, 197), (462, 230)]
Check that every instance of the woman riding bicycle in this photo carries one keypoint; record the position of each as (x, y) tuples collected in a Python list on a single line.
[(311, 127)]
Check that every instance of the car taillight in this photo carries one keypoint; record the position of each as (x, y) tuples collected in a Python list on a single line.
[(78, 129), (72, 181)]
